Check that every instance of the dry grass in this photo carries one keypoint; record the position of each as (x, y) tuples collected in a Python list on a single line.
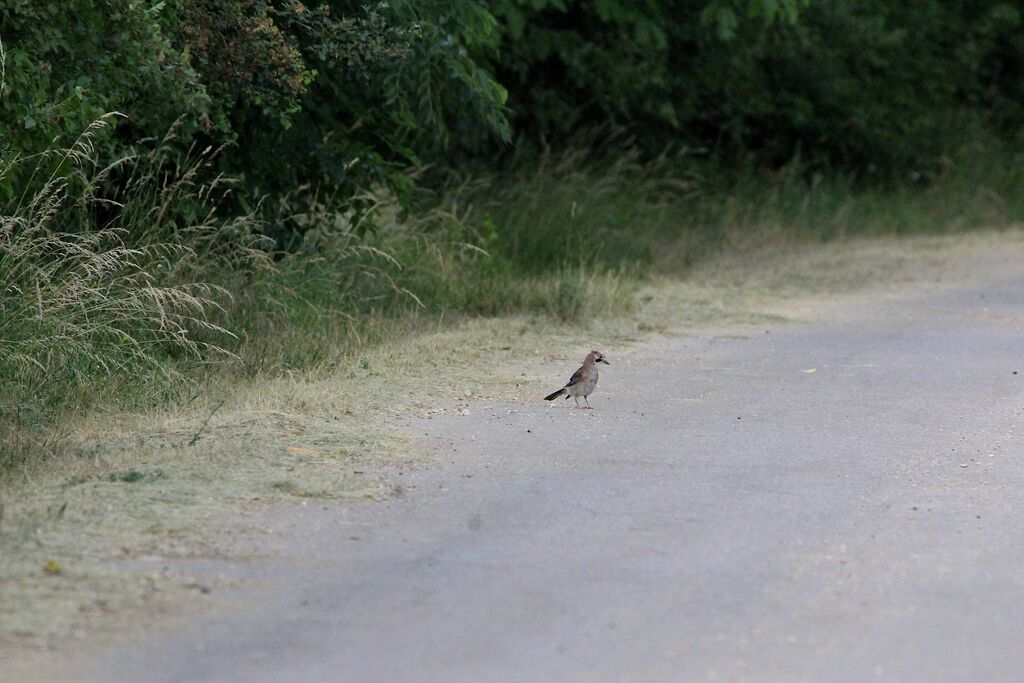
[(98, 298)]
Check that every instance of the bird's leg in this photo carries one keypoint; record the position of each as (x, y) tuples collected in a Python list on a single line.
[(577, 399), (587, 401)]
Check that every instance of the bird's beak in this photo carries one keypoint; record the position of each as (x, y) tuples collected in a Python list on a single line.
[(605, 361)]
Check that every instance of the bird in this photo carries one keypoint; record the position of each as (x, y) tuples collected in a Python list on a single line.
[(583, 381)]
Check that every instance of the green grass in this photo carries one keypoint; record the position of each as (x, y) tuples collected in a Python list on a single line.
[(595, 211), (89, 311), (132, 286)]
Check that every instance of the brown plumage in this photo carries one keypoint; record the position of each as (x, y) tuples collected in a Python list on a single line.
[(583, 381)]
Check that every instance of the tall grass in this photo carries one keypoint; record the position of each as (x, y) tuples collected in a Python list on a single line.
[(94, 303), (345, 286), (126, 281), (599, 210)]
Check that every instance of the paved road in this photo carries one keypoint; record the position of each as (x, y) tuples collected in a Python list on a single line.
[(723, 513)]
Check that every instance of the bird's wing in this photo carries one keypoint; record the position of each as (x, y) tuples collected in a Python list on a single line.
[(576, 377)]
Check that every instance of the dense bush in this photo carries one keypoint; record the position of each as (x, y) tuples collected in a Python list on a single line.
[(347, 96), (65, 67), (866, 86), (339, 94)]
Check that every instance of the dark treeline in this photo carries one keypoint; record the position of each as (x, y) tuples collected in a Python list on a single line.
[(348, 96)]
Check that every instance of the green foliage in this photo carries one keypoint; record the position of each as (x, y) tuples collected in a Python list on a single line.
[(67, 64), (346, 97), (573, 64), (338, 94), (392, 87), (874, 88), (244, 58), (724, 15)]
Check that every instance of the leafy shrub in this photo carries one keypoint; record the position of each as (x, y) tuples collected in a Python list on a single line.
[(339, 93), (875, 88), (67, 64)]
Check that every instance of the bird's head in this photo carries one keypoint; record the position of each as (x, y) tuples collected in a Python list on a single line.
[(598, 357)]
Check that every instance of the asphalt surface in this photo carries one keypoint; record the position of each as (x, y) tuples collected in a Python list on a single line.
[(832, 500)]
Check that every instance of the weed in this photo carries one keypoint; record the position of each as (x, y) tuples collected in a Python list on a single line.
[(131, 476), (285, 486)]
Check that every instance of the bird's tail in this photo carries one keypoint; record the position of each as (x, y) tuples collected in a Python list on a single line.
[(552, 397)]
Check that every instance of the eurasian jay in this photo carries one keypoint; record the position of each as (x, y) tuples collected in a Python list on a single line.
[(583, 381)]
